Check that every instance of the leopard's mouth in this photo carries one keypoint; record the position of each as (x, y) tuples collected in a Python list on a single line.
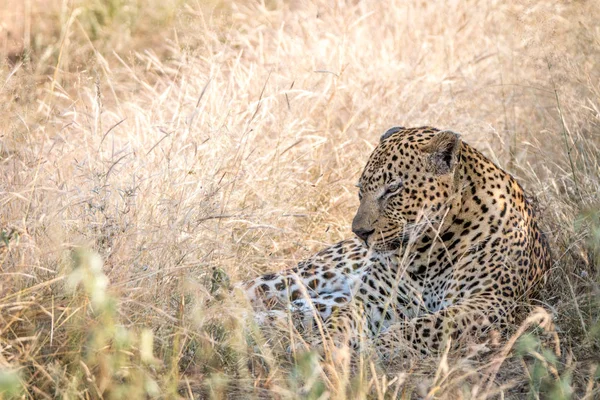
[(391, 244)]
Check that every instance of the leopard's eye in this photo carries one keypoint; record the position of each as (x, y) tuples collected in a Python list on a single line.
[(392, 189), (360, 187)]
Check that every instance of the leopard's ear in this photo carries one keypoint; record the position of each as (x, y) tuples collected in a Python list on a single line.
[(390, 132), (444, 151)]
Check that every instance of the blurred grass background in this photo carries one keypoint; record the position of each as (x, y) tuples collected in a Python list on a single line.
[(151, 152)]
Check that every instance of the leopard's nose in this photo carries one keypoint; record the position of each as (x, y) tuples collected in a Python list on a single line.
[(363, 233)]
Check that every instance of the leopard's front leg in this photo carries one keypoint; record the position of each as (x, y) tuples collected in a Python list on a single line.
[(330, 274), (334, 325)]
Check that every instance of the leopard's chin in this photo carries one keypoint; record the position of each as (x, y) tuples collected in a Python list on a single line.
[(392, 244)]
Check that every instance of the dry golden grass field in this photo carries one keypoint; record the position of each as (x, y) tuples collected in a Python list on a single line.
[(154, 152)]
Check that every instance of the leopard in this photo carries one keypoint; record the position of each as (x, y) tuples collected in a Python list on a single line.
[(447, 248)]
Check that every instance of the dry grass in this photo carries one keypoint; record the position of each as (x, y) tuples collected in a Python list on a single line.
[(189, 143)]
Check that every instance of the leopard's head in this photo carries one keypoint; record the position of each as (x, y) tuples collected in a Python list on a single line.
[(408, 184)]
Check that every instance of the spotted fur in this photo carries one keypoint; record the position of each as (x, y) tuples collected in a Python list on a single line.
[(447, 246)]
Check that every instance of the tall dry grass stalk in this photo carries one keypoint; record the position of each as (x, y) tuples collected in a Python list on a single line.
[(189, 144)]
